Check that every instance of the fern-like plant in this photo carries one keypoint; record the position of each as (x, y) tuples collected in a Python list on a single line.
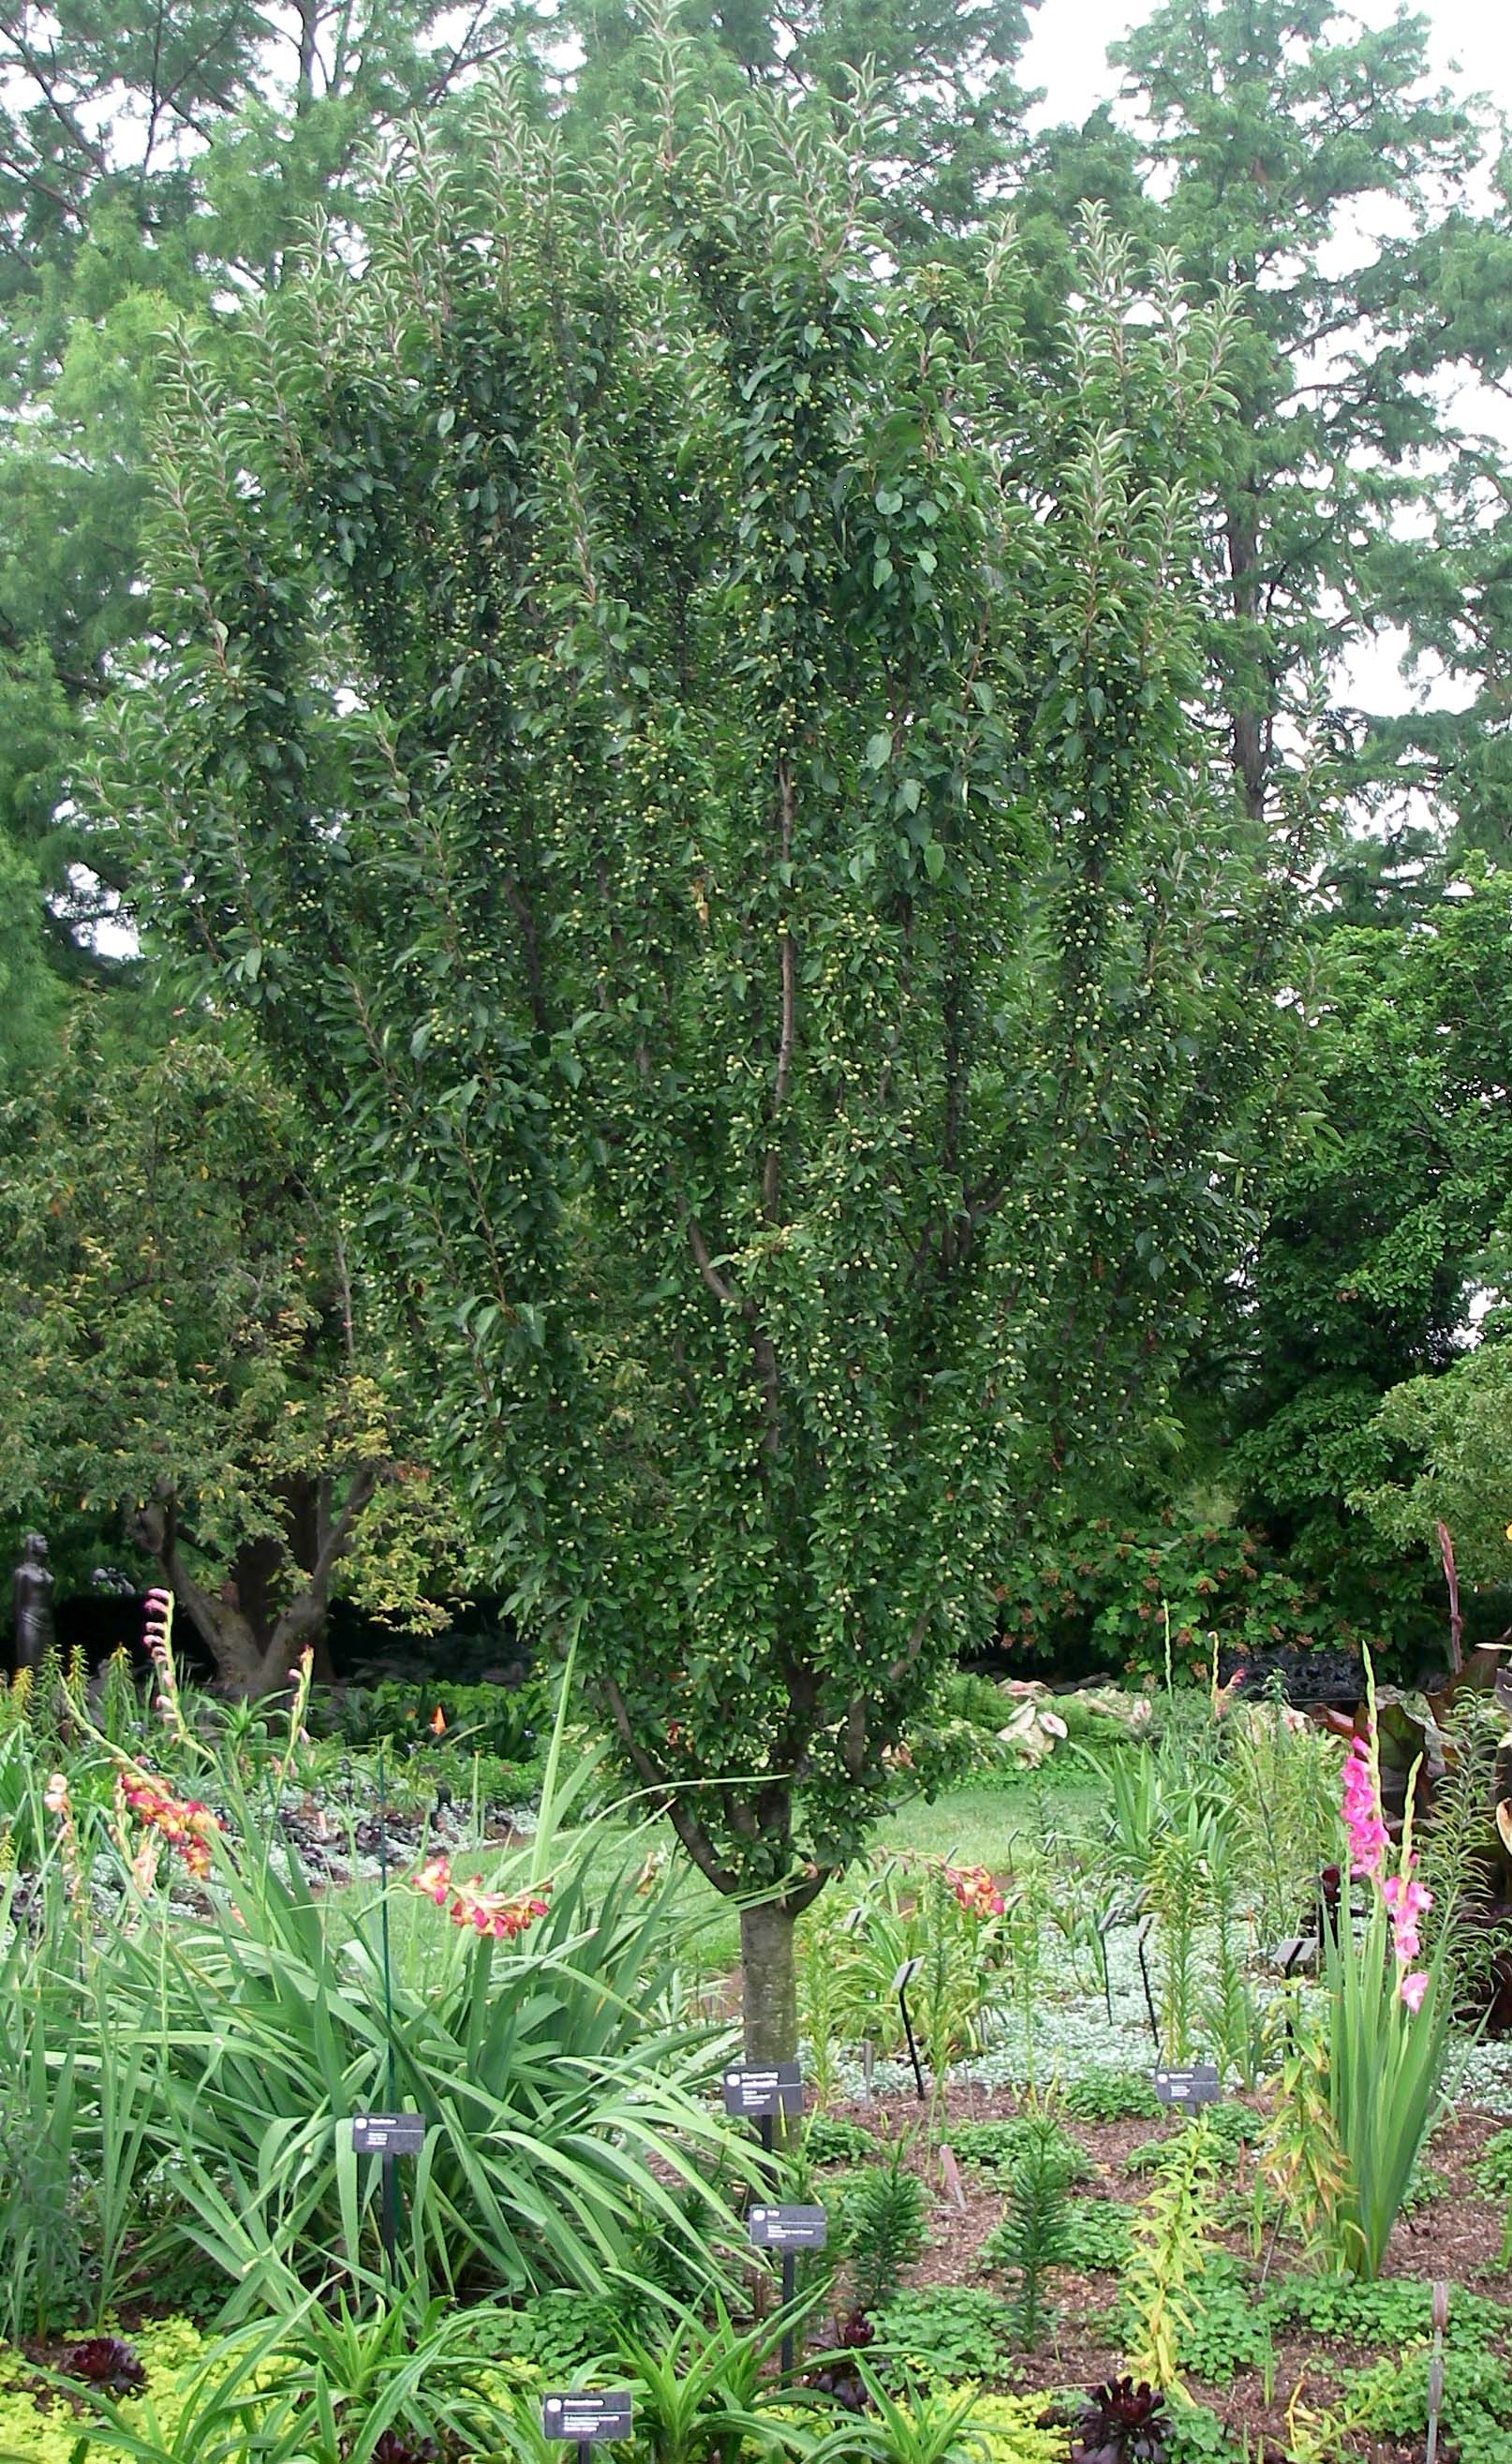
[(1455, 1844), (1034, 2235), (882, 2229)]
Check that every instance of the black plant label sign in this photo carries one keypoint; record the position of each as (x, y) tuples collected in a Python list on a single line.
[(753, 2092), (1196, 2085), (387, 2134), (1298, 1950), (906, 1974), (586, 2417), (787, 2228)]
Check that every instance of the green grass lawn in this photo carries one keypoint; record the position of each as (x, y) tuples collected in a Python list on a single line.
[(978, 1825), (973, 1826)]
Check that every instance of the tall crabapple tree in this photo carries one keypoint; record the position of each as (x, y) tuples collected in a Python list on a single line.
[(689, 744)]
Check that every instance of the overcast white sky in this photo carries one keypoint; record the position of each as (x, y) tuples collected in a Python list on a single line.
[(1067, 48), (1470, 47)]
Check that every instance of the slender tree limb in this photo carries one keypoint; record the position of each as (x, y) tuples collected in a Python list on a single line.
[(788, 971), (692, 1834), (722, 1290)]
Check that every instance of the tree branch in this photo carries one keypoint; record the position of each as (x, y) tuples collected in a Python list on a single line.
[(307, 1613), (763, 1356), (692, 1834), (155, 1528), (722, 1290), (788, 967)]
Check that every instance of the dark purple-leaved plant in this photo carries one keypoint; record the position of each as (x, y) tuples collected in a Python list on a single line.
[(105, 2362), (1124, 2423)]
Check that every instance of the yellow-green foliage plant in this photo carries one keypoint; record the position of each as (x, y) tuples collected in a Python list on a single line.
[(1299, 2157), (318, 2385), (1168, 2245), (1009, 2430), (173, 2353)]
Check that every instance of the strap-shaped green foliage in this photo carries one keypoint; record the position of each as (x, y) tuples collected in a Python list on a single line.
[(688, 741)]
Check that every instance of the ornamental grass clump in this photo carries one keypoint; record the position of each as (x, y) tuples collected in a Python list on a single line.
[(223, 2037), (1388, 2016)]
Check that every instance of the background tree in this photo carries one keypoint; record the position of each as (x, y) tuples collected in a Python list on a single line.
[(151, 159), (1286, 137), (185, 1361), (1449, 1440), (679, 739), (1379, 1238), (941, 73)]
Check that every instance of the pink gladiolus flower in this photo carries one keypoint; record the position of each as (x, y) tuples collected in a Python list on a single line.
[(1414, 1988), (55, 1797), (183, 1823), (1407, 1899), (1362, 1811)]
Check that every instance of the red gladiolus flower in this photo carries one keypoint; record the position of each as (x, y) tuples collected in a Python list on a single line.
[(183, 1823), (975, 1890), (494, 1913)]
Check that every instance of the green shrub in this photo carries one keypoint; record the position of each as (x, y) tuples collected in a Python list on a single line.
[(1492, 2170), (970, 1697), (1229, 2331), (1389, 2399), (998, 2146), (1393, 2311), (951, 2331), (1109, 2095), (1195, 2436), (499, 1720), (1231, 2127), (829, 2139)]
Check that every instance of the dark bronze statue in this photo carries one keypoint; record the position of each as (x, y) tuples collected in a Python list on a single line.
[(32, 1593)]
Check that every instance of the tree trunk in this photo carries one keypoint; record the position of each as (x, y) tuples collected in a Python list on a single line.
[(770, 1983), (1252, 693), (255, 1646)]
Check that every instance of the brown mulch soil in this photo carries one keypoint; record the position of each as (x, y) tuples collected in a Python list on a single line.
[(1456, 2233)]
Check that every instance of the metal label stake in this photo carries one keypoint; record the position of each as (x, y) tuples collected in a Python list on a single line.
[(901, 1983), (788, 2230), (1141, 1934), (1114, 1916)]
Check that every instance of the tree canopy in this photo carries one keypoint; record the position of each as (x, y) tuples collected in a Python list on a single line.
[(682, 741), (188, 1355)]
